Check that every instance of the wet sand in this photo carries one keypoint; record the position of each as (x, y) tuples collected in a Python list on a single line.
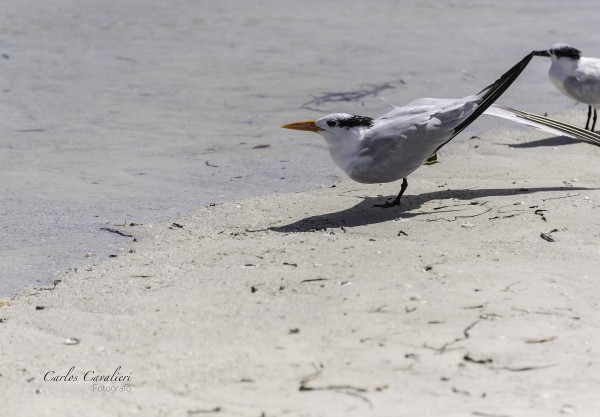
[(260, 284), (139, 112)]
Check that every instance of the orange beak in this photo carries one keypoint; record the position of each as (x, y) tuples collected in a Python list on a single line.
[(305, 125)]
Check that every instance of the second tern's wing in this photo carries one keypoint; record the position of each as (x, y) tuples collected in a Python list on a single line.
[(585, 91)]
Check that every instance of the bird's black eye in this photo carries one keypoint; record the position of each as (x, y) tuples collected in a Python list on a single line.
[(331, 123)]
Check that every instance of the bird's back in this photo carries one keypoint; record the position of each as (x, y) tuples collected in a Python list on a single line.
[(401, 140)]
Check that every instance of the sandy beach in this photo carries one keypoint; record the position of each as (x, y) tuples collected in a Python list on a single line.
[(169, 250), (477, 297)]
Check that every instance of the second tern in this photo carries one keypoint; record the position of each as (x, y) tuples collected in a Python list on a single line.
[(576, 76)]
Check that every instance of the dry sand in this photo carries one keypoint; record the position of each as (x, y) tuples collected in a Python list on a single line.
[(317, 304)]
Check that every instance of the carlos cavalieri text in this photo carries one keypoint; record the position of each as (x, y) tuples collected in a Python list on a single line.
[(92, 376)]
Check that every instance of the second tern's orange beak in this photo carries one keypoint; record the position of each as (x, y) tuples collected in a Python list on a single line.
[(305, 125)]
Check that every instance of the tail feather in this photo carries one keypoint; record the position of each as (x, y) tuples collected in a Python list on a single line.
[(544, 123), (491, 93)]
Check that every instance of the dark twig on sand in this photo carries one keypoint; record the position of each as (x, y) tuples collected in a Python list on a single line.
[(367, 90), (110, 229), (466, 335)]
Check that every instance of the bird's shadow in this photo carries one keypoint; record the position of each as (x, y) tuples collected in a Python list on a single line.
[(553, 141), (364, 213)]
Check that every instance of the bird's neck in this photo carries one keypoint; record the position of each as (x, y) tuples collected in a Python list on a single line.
[(344, 148), (562, 68)]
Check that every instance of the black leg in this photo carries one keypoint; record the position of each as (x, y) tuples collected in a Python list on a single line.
[(396, 202), (595, 117), (587, 124)]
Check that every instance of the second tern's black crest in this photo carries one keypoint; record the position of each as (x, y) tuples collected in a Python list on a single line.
[(566, 51), (356, 121)]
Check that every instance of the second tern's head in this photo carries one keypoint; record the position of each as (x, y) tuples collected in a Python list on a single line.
[(561, 50)]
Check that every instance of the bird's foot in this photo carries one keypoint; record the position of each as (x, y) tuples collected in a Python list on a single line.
[(394, 203)]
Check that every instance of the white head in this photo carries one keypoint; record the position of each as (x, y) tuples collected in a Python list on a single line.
[(342, 132), (336, 126)]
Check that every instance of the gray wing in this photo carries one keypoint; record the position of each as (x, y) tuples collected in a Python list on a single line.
[(583, 90), (425, 119), (420, 106), (404, 138)]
